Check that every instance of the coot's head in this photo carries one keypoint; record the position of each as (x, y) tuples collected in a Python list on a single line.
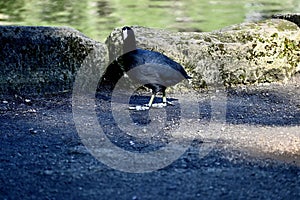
[(129, 43)]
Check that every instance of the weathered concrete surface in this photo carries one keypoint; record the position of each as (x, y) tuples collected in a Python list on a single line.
[(41, 60), (266, 51)]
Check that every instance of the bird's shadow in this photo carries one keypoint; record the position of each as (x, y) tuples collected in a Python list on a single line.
[(258, 107), (143, 118), (261, 107), (139, 118), (137, 99)]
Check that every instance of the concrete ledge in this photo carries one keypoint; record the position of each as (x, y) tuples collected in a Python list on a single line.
[(41, 60), (248, 53)]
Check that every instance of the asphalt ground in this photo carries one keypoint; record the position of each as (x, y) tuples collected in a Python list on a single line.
[(242, 143)]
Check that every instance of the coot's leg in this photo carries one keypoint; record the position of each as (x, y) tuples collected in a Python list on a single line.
[(144, 107), (165, 102), (164, 98), (151, 100)]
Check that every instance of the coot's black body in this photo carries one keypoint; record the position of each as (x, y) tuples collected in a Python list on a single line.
[(152, 69)]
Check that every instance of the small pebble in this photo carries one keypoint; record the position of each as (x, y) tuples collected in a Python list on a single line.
[(5, 102), (32, 110), (48, 172), (32, 131), (138, 108), (134, 198)]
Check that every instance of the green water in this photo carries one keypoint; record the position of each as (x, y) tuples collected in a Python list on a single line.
[(96, 18)]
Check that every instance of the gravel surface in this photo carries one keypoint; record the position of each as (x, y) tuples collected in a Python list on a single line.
[(253, 154)]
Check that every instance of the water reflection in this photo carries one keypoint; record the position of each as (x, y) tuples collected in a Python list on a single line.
[(96, 18)]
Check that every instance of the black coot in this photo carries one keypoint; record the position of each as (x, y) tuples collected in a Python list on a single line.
[(149, 68)]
